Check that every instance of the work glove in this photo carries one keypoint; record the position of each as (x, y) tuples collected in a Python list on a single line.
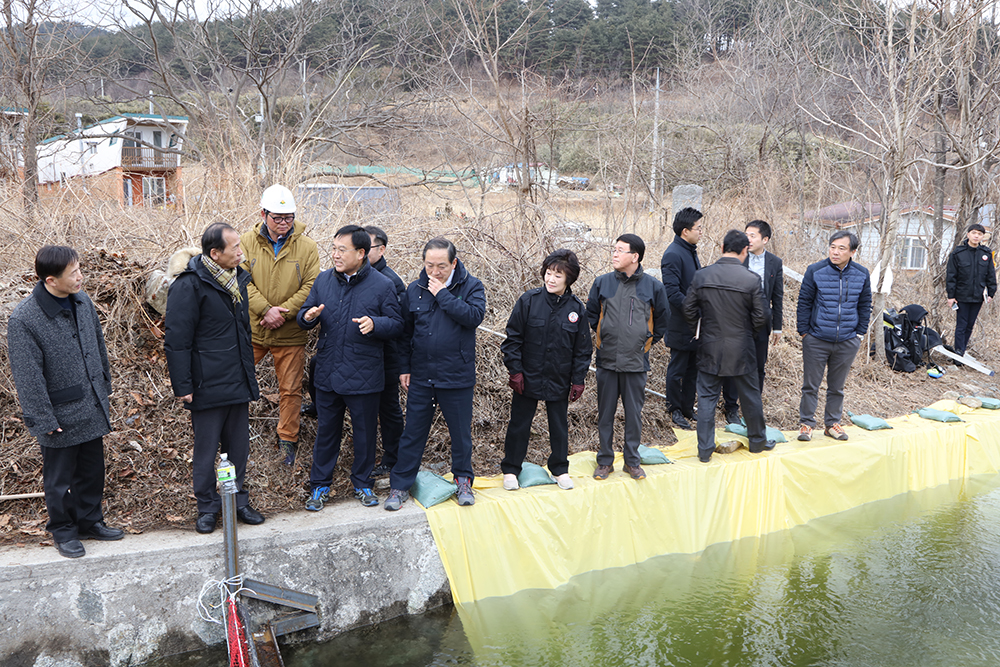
[(516, 382), (575, 392)]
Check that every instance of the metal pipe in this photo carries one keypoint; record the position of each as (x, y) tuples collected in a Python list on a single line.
[(21, 496), (230, 547)]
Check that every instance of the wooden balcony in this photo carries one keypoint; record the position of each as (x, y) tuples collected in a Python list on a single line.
[(148, 158)]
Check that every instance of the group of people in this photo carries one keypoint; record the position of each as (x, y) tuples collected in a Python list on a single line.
[(246, 296)]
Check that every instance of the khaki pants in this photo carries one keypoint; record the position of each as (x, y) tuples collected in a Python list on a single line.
[(289, 366)]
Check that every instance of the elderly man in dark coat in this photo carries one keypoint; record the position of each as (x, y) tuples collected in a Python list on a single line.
[(63, 380), (210, 358), (725, 307)]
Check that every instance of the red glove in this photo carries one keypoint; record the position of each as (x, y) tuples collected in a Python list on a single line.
[(575, 392), (516, 382)]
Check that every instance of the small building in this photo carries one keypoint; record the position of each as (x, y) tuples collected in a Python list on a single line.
[(131, 159), (913, 235)]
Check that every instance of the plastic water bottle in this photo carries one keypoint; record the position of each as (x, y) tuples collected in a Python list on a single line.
[(226, 475)]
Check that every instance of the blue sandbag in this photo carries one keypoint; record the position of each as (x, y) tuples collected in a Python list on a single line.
[(868, 422), (430, 489), (771, 433), (651, 457), (533, 475), (989, 403), (938, 415)]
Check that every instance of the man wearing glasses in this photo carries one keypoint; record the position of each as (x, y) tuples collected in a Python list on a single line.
[(390, 416), (283, 264), (628, 310)]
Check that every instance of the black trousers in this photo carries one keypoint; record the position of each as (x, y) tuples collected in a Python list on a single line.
[(73, 479), (331, 408), (729, 394), (965, 320), (225, 429), (422, 403), (682, 378), (515, 444), (390, 420), (753, 411)]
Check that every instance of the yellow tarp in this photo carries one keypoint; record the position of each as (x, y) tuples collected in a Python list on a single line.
[(540, 537)]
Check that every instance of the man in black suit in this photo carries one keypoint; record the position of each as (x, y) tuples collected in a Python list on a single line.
[(769, 268)]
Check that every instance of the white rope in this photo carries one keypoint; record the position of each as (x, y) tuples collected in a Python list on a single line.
[(223, 586)]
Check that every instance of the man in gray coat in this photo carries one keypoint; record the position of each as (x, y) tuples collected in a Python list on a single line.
[(63, 380), (725, 307)]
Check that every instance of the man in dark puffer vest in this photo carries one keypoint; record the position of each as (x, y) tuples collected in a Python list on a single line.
[(835, 304)]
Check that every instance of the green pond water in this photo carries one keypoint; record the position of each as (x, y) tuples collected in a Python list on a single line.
[(909, 582)]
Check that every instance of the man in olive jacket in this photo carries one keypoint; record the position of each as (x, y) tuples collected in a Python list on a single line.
[(725, 306), (60, 367), (283, 264), (210, 359)]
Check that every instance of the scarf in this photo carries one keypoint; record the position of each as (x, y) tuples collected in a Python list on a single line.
[(225, 278)]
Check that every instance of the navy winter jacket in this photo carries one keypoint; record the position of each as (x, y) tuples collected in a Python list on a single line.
[(438, 348), (677, 269), (347, 361), (207, 340), (834, 305), (548, 340)]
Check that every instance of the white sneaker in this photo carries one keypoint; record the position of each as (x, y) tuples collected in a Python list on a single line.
[(564, 481), (510, 483)]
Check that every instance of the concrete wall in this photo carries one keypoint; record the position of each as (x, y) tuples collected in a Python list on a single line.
[(130, 601)]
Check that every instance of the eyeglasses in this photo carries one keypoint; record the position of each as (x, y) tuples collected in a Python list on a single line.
[(616, 251), (342, 250), (283, 219)]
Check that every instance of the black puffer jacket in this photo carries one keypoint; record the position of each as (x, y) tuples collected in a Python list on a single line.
[(548, 340), (970, 272), (207, 341), (727, 298)]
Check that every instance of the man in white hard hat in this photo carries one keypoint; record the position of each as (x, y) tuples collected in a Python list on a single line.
[(283, 263)]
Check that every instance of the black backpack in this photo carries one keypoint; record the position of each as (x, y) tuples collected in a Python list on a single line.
[(907, 340)]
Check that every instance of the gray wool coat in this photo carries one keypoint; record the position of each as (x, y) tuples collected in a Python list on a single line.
[(60, 368)]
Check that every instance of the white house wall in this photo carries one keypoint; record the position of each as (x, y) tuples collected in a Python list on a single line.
[(62, 157), (916, 225)]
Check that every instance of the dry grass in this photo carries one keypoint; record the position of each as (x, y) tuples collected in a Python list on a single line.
[(148, 453)]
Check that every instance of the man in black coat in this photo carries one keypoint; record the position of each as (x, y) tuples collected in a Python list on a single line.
[(726, 306), (970, 274), (60, 367), (770, 270), (677, 268), (210, 358), (390, 415)]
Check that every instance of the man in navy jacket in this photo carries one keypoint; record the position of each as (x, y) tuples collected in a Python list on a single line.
[(835, 303), (357, 310), (441, 310)]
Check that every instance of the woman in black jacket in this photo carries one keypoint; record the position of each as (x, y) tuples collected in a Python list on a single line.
[(970, 274), (547, 353)]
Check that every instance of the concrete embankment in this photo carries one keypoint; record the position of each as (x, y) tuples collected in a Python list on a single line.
[(130, 601)]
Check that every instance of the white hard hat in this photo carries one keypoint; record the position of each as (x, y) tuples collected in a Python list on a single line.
[(278, 199)]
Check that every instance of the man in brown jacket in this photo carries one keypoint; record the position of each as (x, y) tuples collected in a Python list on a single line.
[(283, 263)]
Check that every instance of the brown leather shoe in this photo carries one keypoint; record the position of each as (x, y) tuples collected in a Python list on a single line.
[(636, 472), (602, 472)]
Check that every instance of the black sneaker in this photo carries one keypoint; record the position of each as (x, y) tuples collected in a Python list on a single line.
[(366, 496), (733, 416), (309, 410), (381, 470)]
